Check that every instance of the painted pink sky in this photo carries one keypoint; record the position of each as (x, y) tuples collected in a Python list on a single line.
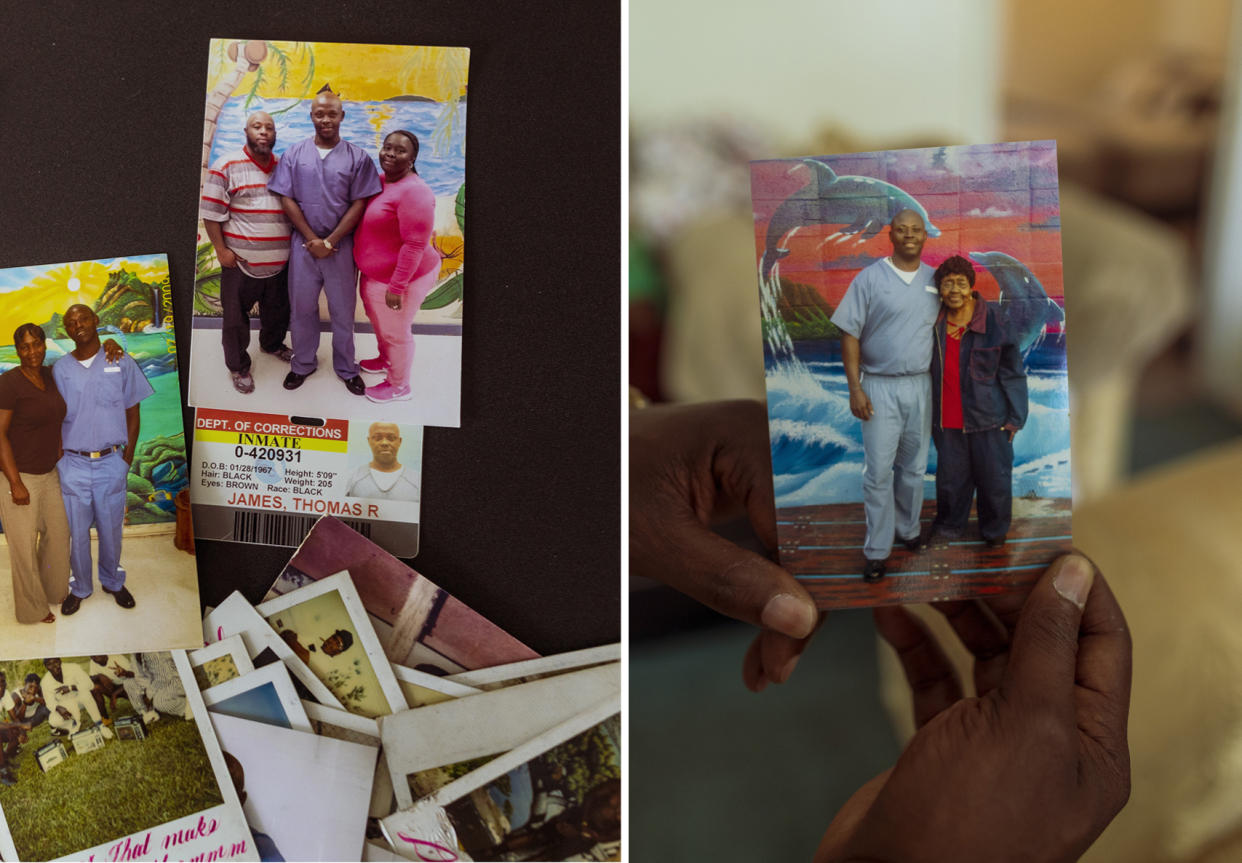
[(988, 198)]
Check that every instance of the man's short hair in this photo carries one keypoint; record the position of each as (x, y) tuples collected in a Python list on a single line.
[(955, 266), (29, 330), (32, 678), (346, 638)]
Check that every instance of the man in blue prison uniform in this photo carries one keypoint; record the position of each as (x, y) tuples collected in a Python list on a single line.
[(886, 322), (323, 183), (99, 436)]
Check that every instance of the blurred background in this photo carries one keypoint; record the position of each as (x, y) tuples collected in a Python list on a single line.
[(1142, 98)]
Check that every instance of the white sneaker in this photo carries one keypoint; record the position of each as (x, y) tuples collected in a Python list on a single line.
[(107, 732), (150, 716)]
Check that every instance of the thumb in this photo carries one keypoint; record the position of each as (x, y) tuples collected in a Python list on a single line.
[(1043, 656), (740, 583)]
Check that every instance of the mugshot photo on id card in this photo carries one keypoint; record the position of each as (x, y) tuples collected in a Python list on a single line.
[(267, 478)]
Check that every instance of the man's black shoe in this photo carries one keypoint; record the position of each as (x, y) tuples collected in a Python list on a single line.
[(995, 542), (293, 380), (71, 604), (916, 544), (874, 571), (355, 385), (122, 596)]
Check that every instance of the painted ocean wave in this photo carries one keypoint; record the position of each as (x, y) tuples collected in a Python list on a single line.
[(1047, 477), (817, 455), (801, 446), (812, 433), (826, 368), (1043, 382), (818, 486)]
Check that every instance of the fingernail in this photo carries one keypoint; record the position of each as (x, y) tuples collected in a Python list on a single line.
[(788, 615), (1073, 580)]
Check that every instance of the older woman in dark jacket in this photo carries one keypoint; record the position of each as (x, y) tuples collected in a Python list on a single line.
[(979, 403)]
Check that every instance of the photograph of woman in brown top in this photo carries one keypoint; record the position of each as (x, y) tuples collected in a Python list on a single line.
[(32, 511)]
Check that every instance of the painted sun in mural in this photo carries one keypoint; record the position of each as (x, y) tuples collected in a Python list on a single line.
[(35, 294)]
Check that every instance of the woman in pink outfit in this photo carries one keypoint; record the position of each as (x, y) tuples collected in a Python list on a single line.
[(399, 266)]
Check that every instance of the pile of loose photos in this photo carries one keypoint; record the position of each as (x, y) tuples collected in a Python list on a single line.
[(359, 711), (399, 733), (311, 727)]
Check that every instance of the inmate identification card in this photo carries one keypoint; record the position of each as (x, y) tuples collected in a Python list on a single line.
[(267, 478)]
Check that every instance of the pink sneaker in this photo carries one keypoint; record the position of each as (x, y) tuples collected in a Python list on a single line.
[(384, 392), (373, 366)]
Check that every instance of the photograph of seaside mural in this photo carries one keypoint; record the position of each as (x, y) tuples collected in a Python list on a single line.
[(382, 89), (819, 222)]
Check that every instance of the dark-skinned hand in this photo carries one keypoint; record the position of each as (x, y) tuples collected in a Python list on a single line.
[(1031, 769), (19, 493), (691, 465), (319, 249), (860, 405)]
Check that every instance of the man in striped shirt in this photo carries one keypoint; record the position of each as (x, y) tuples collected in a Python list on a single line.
[(250, 233)]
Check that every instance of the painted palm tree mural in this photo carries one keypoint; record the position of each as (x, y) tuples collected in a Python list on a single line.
[(383, 87)]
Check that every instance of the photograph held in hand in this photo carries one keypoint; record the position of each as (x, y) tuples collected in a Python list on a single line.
[(912, 298)]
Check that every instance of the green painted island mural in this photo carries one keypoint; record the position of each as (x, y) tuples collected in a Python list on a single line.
[(131, 295)]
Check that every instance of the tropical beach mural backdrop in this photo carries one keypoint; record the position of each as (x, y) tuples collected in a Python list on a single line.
[(818, 221), (132, 298), (382, 88)]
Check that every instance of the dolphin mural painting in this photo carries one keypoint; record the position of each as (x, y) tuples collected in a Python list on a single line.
[(1024, 304), (863, 204)]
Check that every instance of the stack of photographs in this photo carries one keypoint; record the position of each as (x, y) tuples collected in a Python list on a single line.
[(505, 757), (358, 698)]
